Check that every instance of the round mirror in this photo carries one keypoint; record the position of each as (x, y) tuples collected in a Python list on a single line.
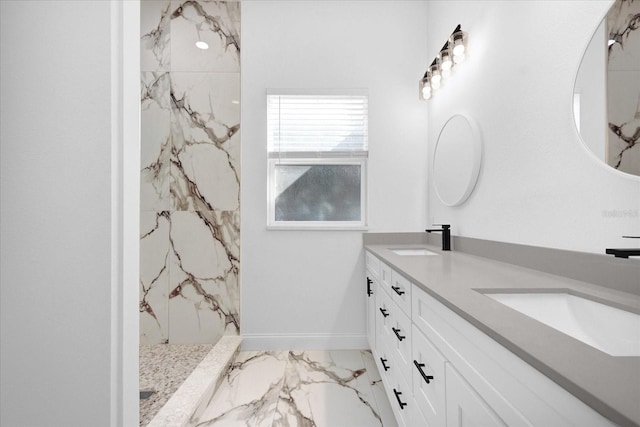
[(606, 99), (456, 160)]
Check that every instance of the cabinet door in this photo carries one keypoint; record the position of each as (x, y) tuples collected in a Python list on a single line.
[(465, 407), (400, 342), (371, 290), (428, 379), (383, 318)]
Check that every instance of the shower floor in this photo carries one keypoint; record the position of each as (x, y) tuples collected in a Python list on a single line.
[(163, 368)]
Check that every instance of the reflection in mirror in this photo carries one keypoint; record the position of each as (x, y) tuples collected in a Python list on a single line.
[(606, 101)]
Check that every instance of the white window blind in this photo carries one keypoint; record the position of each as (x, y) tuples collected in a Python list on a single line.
[(326, 124)]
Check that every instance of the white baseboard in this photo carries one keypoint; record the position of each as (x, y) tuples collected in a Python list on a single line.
[(304, 342)]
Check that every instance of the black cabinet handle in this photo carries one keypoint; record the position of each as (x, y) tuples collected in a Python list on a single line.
[(369, 291), (400, 402), (386, 368), (396, 331), (419, 367), (384, 312), (397, 289)]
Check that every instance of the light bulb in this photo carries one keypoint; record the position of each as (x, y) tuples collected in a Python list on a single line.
[(445, 58), (458, 49), (426, 92), (458, 42), (435, 74)]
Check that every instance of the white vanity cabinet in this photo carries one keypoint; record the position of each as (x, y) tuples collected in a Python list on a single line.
[(372, 279), (440, 370), (391, 345)]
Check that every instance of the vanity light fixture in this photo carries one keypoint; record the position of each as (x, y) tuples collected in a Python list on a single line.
[(452, 53)]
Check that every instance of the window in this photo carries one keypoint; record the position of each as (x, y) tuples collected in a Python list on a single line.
[(317, 148)]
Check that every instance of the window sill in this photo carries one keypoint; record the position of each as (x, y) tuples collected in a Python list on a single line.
[(316, 228)]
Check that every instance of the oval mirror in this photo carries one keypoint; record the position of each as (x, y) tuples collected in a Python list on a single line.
[(456, 160), (606, 99)]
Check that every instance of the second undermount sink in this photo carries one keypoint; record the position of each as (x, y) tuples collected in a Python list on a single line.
[(412, 252), (612, 330)]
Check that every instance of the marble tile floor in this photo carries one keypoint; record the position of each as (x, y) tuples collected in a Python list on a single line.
[(340, 388), (163, 367)]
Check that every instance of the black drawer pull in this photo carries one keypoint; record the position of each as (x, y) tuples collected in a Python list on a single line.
[(397, 290), (419, 367), (369, 291), (396, 331), (400, 402), (386, 368), (384, 312)]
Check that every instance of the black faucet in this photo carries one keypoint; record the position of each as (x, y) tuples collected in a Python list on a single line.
[(446, 235), (625, 252)]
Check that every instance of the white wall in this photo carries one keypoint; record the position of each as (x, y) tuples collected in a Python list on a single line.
[(309, 285), (538, 184), (60, 363)]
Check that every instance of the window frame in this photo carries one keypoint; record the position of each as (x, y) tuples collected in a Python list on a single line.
[(272, 224), (314, 158)]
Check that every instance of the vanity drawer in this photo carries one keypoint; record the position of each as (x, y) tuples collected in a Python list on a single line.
[(385, 362), (428, 365), (383, 318), (401, 401), (400, 290), (372, 265), (385, 277), (400, 342)]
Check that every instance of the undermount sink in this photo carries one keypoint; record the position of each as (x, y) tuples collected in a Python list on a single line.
[(412, 252), (612, 330)]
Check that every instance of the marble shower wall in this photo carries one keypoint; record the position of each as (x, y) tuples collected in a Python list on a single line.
[(190, 171), (623, 86)]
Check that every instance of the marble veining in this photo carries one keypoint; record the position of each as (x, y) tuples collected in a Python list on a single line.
[(205, 154), (155, 41), (623, 86), (299, 388), (215, 22), (154, 277), (190, 171)]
